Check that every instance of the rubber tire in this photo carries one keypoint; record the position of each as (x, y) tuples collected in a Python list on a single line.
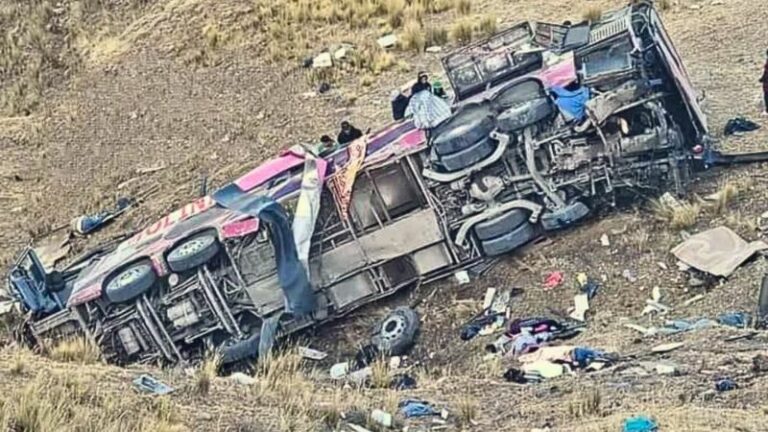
[(137, 287), (501, 225), (401, 339), (523, 115), (518, 93), (510, 241), (183, 263), (470, 156), (463, 130), (762, 300)]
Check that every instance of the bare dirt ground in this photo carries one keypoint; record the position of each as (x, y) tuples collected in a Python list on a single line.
[(136, 103)]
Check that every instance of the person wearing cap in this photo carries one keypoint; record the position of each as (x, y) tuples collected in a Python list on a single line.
[(422, 83), (348, 133)]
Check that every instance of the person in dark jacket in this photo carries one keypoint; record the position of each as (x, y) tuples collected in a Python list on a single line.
[(399, 104), (764, 80), (422, 83), (348, 133)]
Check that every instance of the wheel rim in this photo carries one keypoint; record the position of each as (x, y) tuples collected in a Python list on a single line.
[(127, 277), (392, 328), (191, 247)]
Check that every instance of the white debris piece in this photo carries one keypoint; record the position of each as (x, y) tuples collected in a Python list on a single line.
[(434, 49), (312, 354), (581, 306), (242, 378), (387, 41), (462, 277), (382, 417), (323, 60), (605, 241)]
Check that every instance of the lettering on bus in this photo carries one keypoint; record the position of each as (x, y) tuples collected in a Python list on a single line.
[(164, 224)]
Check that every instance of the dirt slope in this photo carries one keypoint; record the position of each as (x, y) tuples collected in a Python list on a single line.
[(153, 91)]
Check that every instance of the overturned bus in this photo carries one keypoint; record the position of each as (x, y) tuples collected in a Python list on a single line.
[(549, 122)]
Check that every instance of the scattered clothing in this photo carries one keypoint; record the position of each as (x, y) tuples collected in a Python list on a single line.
[(402, 382), (348, 133), (427, 110), (87, 224), (553, 279), (572, 103), (640, 424), (474, 326), (735, 319), (521, 377), (417, 408), (583, 357), (740, 125), (525, 343), (149, 384), (680, 326), (725, 384)]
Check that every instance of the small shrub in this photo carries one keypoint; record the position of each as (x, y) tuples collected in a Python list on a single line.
[(436, 36), (412, 37), (464, 7), (77, 350), (466, 410), (724, 197), (380, 374), (206, 374), (461, 32), (487, 26), (585, 405), (681, 216), (593, 14)]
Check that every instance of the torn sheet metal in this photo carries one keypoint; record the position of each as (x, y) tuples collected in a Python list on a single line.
[(344, 179), (308, 207), (719, 251)]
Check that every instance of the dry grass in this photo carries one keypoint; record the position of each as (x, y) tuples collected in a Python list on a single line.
[(436, 36), (585, 405), (463, 7), (380, 374), (412, 37), (206, 374), (466, 409), (592, 14), (68, 403), (638, 238), (724, 197), (77, 350), (462, 31), (486, 26), (682, 216)]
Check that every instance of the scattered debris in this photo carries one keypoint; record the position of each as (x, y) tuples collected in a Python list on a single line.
[(718, 251), (760, 363), (149, 384), (553, 279), (341, 53), (312, 354), (322, 60), (394, 362), (629, 275), (417, 408), (666, 369), (387, 41), (87, 224), (149, 170), (242, 378), (521, 377), (693, 300), (462, 277), (356, 428), (640, 424), (665, 348), (740, 320), (739, 126), (725, 384), (434, 49), (402, 382), (669, 200), (339, 370), (605, 241), (53, 250), (382, 417), (545, 369), (581, 306)]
